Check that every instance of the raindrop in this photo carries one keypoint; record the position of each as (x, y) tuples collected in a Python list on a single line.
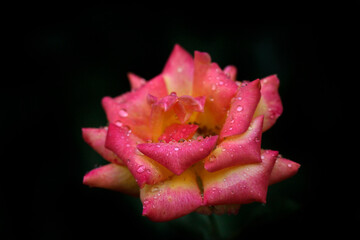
[(211, 99), (127, 145), (201, 149), (262, 157), (154, 189), (239, 108), (289, 165), (221, 83), (239, 98), (176, 149), (141, 169), (158, 145), (212, 158), (119, 124), (257, 139), (123, 113), (213, 87), (179, 69)]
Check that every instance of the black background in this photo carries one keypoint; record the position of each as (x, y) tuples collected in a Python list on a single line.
[(61, 60)]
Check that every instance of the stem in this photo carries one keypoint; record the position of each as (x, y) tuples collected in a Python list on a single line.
[(215, 234)]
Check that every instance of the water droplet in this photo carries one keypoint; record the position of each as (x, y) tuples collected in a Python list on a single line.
[(221, 83), (239, 108), (232, 121), (146, 202), (158, 145), (257, 139), (176, 149), (141, 169), (239, 98), (179, 69), (262, 157), (224, 179), (201, 149), (123, 113), (127, 145), (199, 138), (119, 124), (212, 158), (230, 129), (154, 189), (223, 149), (213, 87), (232, 192), (211, 99), (289, 165)]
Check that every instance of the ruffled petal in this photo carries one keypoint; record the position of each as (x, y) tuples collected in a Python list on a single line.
[(239, 185), (112, 177), (123, 143), (178, 72), (270, 104), (242, 109), (96, 137), (231, 72), (179, 156), (135, 111), (187, 105), (237, 150), (283, 169), (173, 198), (176, 132), (135, 81), (210, 81)]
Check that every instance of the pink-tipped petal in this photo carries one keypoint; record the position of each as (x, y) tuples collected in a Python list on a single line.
[(242, 109), (239, 185), (178, 72), (210, 81), (176, 132), (112, 177), (179, 156), (123, 143), (270, 104), (135, 81), (96, 137), (283, 169), (173, 198), (237, 150), (231, 72)]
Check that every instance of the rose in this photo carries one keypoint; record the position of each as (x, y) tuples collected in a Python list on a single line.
[(190, 139)]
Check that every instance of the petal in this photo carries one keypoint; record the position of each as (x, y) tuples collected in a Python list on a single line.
[(176, 132), (242, 109), (186, 105), (135, 81), (178, 72), (135, 111), (239, 185), (123, 143), (96, 137), (237, 150), (112, 177), (210, 81), (231, 72), (179, 156), (172, 198), (283, 169), (270, 103)]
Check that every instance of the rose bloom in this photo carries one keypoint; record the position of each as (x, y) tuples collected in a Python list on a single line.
[(190, 139)]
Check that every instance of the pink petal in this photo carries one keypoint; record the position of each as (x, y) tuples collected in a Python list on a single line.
[(112, 177), (270, 103), (237, 150), (186, 105), (210, 81), (231, 72), (96, 137), (239, 185), (242, 109), (283, 169), (135, 111), (173, 198), (179, 156), (136, 81), (178, 72), (123, 143), (176, 132)]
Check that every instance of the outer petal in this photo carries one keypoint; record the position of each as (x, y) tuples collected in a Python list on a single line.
[(212, 82), (135, 111), (238, 149), (135, 81), (96, 137), (113, 177), (283, 169), (270, 103), (123, 143), (172, 198), (177, 157), (176, 132), (178, 72), (240, 184), (242, 109)]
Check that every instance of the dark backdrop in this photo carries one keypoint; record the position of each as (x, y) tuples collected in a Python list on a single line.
[(62, 60)]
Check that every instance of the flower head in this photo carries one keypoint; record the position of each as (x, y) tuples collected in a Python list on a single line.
[(190, 139)]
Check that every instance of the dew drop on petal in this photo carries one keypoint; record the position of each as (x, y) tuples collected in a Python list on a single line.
[(154, 189), (289, 165), (212, 158), (176, 149), (239, 108), (201, 149), (141, 169), (123, 113), (213, 87)]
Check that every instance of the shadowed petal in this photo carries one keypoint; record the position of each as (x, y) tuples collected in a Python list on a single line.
[(270, 103), (135, 81), (179, 156), (173, 198), (237, 150), (112, 177), (176, 132)]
